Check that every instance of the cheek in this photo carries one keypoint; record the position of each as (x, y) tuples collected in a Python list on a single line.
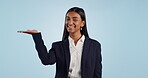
[(78, 24), (66, 22)]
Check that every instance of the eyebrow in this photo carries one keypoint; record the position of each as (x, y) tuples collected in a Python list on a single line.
[(72, 17)]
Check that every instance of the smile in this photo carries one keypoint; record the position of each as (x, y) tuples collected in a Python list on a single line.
[(71, 26)]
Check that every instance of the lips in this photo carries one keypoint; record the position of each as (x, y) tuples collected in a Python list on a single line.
[(71, 27)]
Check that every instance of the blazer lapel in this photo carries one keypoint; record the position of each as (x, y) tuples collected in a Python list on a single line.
[(84, 53), (67, 53)]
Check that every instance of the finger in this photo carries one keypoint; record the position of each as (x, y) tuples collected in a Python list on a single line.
[(20, 31), (23, 31)]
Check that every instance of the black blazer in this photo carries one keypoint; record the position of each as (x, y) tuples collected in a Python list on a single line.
[(91, 66)]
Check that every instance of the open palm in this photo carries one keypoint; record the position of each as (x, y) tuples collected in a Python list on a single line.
[(29, 31)]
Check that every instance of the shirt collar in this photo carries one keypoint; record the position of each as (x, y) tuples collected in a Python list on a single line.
[(81, 39)]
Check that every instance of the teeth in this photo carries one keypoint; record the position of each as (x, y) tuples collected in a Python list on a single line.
[(71, 26)]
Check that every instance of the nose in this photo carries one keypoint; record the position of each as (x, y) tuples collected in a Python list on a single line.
[(70, 23)]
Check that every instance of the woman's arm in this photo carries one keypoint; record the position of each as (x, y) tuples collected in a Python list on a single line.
[(46, 58)]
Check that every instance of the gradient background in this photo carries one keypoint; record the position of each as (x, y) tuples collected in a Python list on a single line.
[(121, 26)]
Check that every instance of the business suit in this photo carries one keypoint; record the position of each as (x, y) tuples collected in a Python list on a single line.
[(91, 66)]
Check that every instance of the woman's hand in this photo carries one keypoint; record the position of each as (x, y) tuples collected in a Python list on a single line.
[(29, 31)]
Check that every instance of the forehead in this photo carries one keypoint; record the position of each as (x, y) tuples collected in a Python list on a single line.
[(72, 14)]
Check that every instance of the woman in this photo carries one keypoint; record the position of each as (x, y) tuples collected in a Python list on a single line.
[(76, 56)]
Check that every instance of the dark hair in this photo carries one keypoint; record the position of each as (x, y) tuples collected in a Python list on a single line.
[(81, 12)]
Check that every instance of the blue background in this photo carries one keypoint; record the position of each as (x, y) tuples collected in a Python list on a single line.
[(121, 26)]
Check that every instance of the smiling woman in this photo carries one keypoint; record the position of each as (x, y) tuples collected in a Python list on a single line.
[(77, 55), (74, 22)]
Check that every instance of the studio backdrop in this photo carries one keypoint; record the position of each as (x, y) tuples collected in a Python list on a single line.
[(121, 26)]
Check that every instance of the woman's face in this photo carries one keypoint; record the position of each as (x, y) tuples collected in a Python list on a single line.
[(74, 22)]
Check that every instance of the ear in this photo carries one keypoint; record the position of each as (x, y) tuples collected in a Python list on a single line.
[(83, 23)]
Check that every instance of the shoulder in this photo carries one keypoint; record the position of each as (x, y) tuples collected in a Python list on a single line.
[(94, 42), (57, 43), (60, 42)]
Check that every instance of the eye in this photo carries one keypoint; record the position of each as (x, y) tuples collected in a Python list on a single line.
[(75, 20), (67, 19)]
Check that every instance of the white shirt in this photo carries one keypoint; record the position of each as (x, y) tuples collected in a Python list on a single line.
[(75, 53)]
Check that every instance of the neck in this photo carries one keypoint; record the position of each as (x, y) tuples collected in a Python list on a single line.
[(75, 37)]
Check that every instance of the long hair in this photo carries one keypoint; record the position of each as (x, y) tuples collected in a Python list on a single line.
[(81, 12)]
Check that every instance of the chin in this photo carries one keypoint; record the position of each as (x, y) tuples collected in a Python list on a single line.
[(71, 31)]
